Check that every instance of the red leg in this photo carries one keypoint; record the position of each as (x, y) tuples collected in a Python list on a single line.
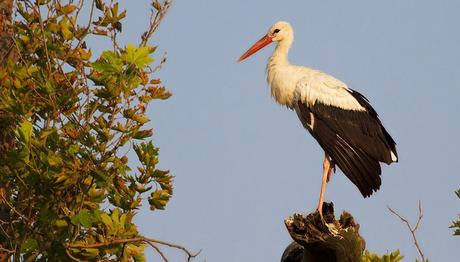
[(331, 170), (328, 166)]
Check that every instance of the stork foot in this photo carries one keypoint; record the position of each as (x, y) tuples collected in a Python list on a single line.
[(319, 209)]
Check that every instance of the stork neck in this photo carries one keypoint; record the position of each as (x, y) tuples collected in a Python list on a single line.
[(280, 55)]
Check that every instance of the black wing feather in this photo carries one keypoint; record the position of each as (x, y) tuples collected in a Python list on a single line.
[(381, 131), (355, 140)]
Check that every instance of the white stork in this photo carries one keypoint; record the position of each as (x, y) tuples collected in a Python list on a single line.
[(339, 118)]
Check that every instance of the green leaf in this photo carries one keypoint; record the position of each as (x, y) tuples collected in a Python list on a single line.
[(66, 28), (105, 218), (90, 252), (61, 223), (54, 160), (139, 56), (99, 5), (84, 218), (109, 62), (25, 131), (129, 113), (29, 245), (158, 199), (388, 257), (141, 119), (143, 134), (67, 9), (73, 149), (159, 93)]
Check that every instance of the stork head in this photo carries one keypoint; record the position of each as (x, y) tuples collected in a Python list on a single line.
[(281, 32)]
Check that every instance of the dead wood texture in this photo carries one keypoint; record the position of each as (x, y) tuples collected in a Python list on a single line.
[(328, 240)]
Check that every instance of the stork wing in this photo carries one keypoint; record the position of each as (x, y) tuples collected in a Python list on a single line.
[(347, 128)]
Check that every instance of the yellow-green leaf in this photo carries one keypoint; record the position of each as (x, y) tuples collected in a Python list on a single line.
[(139, 56), (106, 220), (61, 223), (67, 9), (65, 28), (141, 119), (25, 131)]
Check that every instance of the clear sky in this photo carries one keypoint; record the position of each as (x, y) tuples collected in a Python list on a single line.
[(243, 163)]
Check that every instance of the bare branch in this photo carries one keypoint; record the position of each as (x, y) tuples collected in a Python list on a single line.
[(45, 44), (12, 207), (158, 67), (4, 250), (190, 254), (70, 255), (165, 259), (33, 257), (155, 19), (412, 229)]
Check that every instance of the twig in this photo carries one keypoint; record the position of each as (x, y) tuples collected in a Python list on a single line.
[(190, 254), (4, 250), (33, 257), (12, 208), (165, 259), (158, 67), (71, 257), (155, 20), (45, 42), (412, 229)]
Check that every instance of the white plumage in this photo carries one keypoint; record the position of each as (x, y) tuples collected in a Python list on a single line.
[(290, 83), (339, 118)]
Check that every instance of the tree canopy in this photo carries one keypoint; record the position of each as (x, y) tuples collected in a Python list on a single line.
[(69, 118)]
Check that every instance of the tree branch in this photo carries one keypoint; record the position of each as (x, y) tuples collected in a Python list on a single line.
[(412, 229), (4, 200), (7, 250), (155, 19), (165, 259), (147, 240), (190, 254)]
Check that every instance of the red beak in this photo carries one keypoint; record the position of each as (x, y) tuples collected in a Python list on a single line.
[(256, 47)]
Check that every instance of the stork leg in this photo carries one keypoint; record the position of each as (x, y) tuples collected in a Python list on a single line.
[(328, 167)]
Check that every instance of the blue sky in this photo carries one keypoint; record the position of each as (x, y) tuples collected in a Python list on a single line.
[(242, 163)]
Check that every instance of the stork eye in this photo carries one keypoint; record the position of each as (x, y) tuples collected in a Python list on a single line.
[(276, 31)]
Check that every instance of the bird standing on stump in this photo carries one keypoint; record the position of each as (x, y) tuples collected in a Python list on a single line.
[(339, 118)]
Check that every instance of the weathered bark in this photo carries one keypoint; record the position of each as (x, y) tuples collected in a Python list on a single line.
[(293, 253), (7, 53), (327, 240)]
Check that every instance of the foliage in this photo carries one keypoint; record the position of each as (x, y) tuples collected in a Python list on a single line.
[(72, 192), (388, 257), (456, 224)]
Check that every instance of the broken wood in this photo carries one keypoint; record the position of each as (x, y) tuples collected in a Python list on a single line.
[(323, 240)]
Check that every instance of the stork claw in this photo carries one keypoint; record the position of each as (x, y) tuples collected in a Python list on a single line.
[(319, 209)]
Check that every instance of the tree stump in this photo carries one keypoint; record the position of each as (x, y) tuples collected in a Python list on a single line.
[(328, 240)]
